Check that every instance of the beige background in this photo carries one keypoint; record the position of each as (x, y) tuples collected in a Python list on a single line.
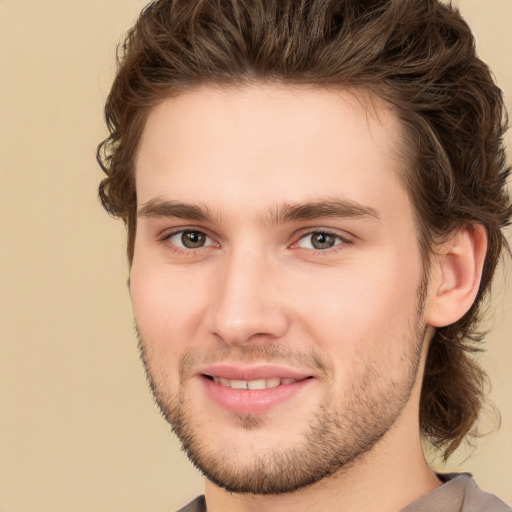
[(78, 429)]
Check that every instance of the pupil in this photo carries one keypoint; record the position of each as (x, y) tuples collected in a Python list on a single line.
[(192, 239), (322, 241)]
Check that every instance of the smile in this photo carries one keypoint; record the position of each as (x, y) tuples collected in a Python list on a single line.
[(253, 390), (252, 384)]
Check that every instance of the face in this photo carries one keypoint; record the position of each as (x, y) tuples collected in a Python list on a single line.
[(276, 280)]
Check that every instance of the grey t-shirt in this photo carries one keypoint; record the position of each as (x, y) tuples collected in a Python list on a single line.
[(459, 493)]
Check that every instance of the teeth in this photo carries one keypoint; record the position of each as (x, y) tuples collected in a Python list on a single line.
[(239, 384), (257, 384), (253, 384), (273, 383)]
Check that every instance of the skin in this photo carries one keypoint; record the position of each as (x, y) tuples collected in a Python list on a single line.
[(353, 317)]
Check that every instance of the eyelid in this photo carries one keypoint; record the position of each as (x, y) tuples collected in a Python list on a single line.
[(165, 238), (344, 239)]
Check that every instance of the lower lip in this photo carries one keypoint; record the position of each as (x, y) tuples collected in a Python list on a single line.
[(252, 401)]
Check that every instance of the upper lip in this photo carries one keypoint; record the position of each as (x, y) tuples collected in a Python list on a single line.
[(248, 373)]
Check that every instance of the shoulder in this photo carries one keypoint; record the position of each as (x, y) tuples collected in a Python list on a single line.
[(477, 500), (198, 505), (458, 493)]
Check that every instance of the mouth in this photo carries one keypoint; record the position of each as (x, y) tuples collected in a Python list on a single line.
[(253, 390), (273, 382)]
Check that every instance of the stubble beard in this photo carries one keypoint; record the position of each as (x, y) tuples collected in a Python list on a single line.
[(335, 437)]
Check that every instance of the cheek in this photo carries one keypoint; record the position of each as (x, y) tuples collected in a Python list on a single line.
[(167, 305), (362, 308)]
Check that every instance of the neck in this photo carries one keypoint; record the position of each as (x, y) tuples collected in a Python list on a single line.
[(369, 487)]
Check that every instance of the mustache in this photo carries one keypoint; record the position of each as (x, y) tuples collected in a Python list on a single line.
[(266, 353)]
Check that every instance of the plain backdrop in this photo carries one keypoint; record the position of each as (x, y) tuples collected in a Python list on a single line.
[(78, 428)]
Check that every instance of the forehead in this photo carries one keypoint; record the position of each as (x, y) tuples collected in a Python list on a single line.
[(276, 143)]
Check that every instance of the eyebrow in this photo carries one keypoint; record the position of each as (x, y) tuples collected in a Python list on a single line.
[(160, 208), (280, 214), (320, 209)]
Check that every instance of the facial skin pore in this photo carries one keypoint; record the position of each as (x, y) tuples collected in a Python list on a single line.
[(276, 248)]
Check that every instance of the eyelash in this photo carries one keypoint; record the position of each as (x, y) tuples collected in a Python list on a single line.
[(183, 250), (342, 242)]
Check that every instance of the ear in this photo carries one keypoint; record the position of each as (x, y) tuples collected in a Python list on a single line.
[(455, 276)]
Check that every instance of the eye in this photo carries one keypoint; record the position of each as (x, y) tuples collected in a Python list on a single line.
[(190, 239), (320, 240)]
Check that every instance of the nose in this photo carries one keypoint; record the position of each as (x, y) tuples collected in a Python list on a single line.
[(249, 305)]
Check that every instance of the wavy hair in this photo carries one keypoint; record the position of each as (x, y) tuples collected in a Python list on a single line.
[(417, 55)]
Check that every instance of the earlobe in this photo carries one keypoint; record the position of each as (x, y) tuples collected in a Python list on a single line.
[(455, 277)]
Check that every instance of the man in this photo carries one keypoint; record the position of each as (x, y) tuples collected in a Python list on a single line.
[(314, 193)]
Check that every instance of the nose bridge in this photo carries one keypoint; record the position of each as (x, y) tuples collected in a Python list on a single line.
[(248, 304)]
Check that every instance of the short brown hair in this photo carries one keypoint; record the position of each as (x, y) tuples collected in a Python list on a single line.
[(417, 55)]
